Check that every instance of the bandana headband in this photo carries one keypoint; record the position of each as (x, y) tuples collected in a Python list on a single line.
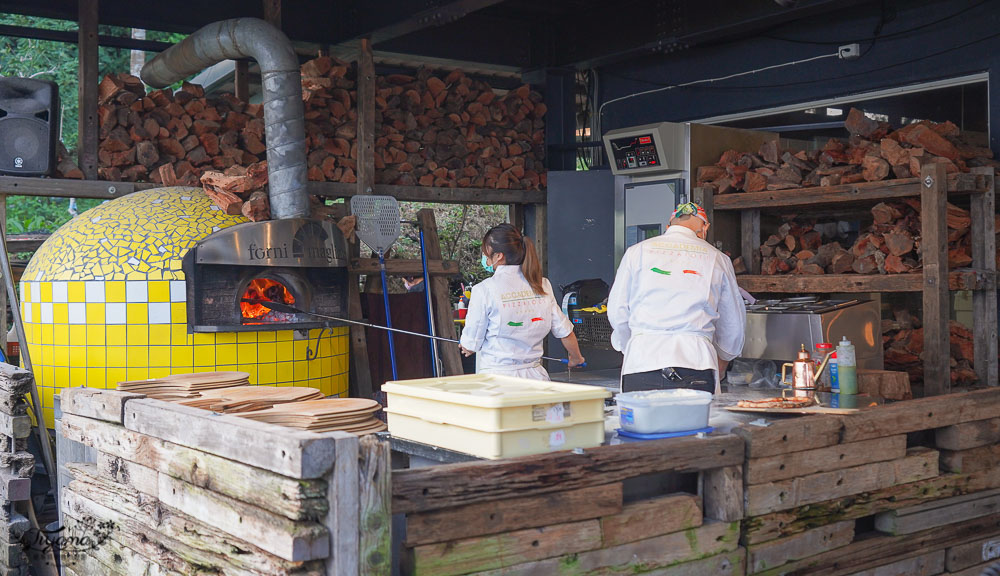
[(690, 209)]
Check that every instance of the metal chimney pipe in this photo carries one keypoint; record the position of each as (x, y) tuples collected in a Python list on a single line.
[(284, 115)]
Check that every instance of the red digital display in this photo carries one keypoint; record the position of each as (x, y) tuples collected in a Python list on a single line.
[(645, 140)]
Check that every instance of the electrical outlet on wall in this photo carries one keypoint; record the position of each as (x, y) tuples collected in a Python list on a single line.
[(849, 51)]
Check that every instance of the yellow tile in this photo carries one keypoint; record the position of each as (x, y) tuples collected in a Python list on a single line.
[(179, 335), (178, 311), (77, 376), (301, 370), (159, 356), (97, 378), (117, 334), (181, 356), (246, 337), (159, 372), (47, 334), (136, 276), (267, 352), (250, 369), (137, 373), (285, 351), (159, 334), (225, 354), (48, 374), (137, 334), (204, 355), (60, 335), (117, 357), (201, 338), (266, 336), (95, 313), (284, 335), (137, 313), (60, 313), (159, 291), (95, 335), (61, 377), (299, 349), (114, 291), (46, 291), (60, 356), (246, 353), (50, 417), (95, 356), (285, 372), (225, 338), (116, 375), (77, 335), (267, 373), (76, 291), (138, 356), (45, 358)]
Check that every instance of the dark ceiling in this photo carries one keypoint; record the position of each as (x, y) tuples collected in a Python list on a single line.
[(523, 34)]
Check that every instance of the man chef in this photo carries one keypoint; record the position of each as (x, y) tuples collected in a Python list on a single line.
[(676, 310)]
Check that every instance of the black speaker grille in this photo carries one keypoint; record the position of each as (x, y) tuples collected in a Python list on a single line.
[(24, 145), (28, 133)]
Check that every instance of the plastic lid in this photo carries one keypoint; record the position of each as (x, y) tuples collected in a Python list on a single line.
[(845, 341), (824, 346)]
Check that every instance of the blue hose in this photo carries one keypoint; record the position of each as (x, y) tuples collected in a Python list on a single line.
[(427, 297), (388, 316)]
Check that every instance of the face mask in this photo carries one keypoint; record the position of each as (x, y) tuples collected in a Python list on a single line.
[(486, 266)]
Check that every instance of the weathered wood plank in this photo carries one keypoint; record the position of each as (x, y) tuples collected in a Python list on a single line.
[(88, 75), (496, 516), (962, 556), (112, 557), (135, 476), (779, 552), (401, 267), (921, 414), (968, 435), (938, 513), (278, 449), (366, 118), (649, 518), (934, 250), (919, 464), (971, 460), (295, 541), (797, 520), (750, 239), (466, 483), (723, 493), (14, 488), (295, 499), (984, 304), (444, 324), (15, 380), (375, 490), (651, 556), (795, 464), (15, 426), (107, 405), (784, 436), (976, 570), (725, 564), (833, 283), (343, 518), (927, 564), (508, 549)]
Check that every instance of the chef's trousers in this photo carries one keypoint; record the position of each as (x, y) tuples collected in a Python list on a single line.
[(670, 378)]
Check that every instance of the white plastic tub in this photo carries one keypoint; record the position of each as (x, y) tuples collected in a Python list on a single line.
[(663, 411)]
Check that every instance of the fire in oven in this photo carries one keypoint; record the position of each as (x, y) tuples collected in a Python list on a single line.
[(297, 262)]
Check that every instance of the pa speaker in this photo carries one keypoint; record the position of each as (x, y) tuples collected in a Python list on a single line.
[(29, 126)]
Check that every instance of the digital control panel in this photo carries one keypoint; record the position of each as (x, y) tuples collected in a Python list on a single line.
[(635, 152)]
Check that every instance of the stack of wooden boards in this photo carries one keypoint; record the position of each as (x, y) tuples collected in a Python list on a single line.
[(250, 398), (353, 415), (179, 387), (186, 491), (907, 488), (582, 513), (16, 468)]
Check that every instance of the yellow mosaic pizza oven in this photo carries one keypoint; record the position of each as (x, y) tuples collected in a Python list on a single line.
[(106, 298)]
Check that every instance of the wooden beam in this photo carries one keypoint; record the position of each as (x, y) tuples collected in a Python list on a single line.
[(87, 139), (750, 239), (241, 79), (515, 215), (3, 293), (400, 267), (446, 486), (343, 494), (831, 283), (934, 248), (984, 302), (272, 12), (705, 197), (374, 499), (366, 118), (444, 323), (722, 491), (859, 192)]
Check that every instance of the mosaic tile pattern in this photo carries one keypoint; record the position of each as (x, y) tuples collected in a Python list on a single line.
[(104, 300)]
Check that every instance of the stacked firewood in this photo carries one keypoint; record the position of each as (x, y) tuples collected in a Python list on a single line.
[(451, 131), (798, 248), (457, 131), (873, 152), (903, 341)]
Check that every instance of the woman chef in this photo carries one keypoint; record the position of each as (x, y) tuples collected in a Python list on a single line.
[(511, 313)]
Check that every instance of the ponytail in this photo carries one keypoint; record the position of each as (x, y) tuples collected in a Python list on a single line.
[(532, 268), (518, 250)]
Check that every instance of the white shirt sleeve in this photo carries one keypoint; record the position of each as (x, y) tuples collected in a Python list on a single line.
[(618, 304), (731, 326), (561, 325), (476, 319)]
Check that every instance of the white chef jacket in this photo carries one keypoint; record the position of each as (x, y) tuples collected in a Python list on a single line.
[(675, 304), (507, 323)]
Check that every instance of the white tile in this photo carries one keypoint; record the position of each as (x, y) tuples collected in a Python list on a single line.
[(35, 291), (60, 292), (77, 313), (114, 313), (135, 291), (26, 311), (46, 310), (159, 312), (22, 288), (94, 291), (178, 291)]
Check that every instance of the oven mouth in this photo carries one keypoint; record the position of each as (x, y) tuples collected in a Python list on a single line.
[(266, 288)]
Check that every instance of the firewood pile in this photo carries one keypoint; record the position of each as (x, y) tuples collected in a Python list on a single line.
[(890, 246), (872, 152), (903, 341), (449, 132)]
